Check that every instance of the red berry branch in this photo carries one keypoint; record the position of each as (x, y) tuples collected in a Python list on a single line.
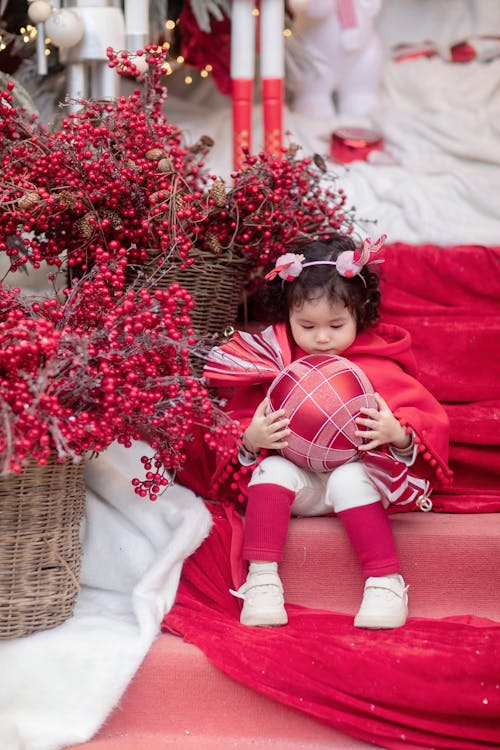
[(117, 183), (103, 189), (273, 205), (79, 374)]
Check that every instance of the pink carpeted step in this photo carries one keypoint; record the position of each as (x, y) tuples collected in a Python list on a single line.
[(450, 561), (214, 742), (178, 698)]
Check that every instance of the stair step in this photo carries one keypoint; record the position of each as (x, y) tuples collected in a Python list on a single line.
[(179, 697), (214, 742), (450, 561)]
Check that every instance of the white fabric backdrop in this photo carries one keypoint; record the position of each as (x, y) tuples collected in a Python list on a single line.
[(437, 180)]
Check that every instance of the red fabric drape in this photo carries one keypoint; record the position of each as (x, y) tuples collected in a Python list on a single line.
[(448, 298), (200, 48), (431, 684)]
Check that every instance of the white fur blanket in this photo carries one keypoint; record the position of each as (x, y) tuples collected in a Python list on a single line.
[(437, 180), (58, 686)]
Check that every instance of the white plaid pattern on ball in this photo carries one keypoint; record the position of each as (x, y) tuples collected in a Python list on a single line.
[(322, 396)]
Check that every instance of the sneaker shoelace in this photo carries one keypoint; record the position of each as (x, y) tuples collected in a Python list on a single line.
[(268, 583)]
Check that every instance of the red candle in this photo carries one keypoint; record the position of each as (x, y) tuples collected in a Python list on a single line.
[(242, 75)]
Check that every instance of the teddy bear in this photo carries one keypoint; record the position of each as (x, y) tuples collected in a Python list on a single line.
[(346, 57)]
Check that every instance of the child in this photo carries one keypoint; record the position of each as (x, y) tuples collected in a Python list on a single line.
[(326, 300)]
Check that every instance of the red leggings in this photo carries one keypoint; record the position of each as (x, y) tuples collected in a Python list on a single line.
[(266, 527)]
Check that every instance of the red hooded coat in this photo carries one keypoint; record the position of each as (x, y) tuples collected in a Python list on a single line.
[(243, 368)]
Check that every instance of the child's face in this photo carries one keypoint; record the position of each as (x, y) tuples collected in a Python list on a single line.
[(321, 328)]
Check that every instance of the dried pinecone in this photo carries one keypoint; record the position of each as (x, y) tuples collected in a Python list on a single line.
[(202, 144), (67, 199), (155, 154), (114, 218), (28, 200), (320, 162), (212, 243), (84, 226), (218, 193), (166, 166), (179, 203)]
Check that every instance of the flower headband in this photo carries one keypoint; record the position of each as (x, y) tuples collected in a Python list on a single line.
[(349, 263)]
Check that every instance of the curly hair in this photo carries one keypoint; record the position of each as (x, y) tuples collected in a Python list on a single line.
[(360, 294)]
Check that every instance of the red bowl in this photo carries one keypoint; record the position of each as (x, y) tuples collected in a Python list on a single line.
[(354, 144)]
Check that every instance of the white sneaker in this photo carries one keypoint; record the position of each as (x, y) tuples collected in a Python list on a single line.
[(263, 600), (385, 603)]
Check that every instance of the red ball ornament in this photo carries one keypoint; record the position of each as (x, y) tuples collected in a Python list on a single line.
[(322, 396)]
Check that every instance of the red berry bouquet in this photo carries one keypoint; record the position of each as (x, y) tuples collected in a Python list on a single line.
[(115, 189), (106, 358), (78, 374), (273, 204), (106, 188)]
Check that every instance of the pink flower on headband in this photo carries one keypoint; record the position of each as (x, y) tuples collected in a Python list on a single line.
[(350, 263), (288, 267), (346, 265)]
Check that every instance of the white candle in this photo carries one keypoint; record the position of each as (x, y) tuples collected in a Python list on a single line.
[(242, 39), (272, 41), (41, 57), (136, 24), (76, 83)]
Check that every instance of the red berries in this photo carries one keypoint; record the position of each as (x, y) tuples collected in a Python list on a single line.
[(272, 204), (90, 180), (115, 189), (78, 374)]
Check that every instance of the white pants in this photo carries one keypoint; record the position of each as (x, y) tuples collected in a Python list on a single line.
[(347, 486)]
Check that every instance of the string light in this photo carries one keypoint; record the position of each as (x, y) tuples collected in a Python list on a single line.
[(26, 33), (29, 33)]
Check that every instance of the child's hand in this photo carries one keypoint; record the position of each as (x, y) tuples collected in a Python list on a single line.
[(381, 427), (266, 430)]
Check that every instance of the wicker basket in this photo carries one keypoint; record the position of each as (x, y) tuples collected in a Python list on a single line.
[(41, 510), (216, 284)]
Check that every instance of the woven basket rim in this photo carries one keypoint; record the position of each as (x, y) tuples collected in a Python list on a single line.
[(226, 257)]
